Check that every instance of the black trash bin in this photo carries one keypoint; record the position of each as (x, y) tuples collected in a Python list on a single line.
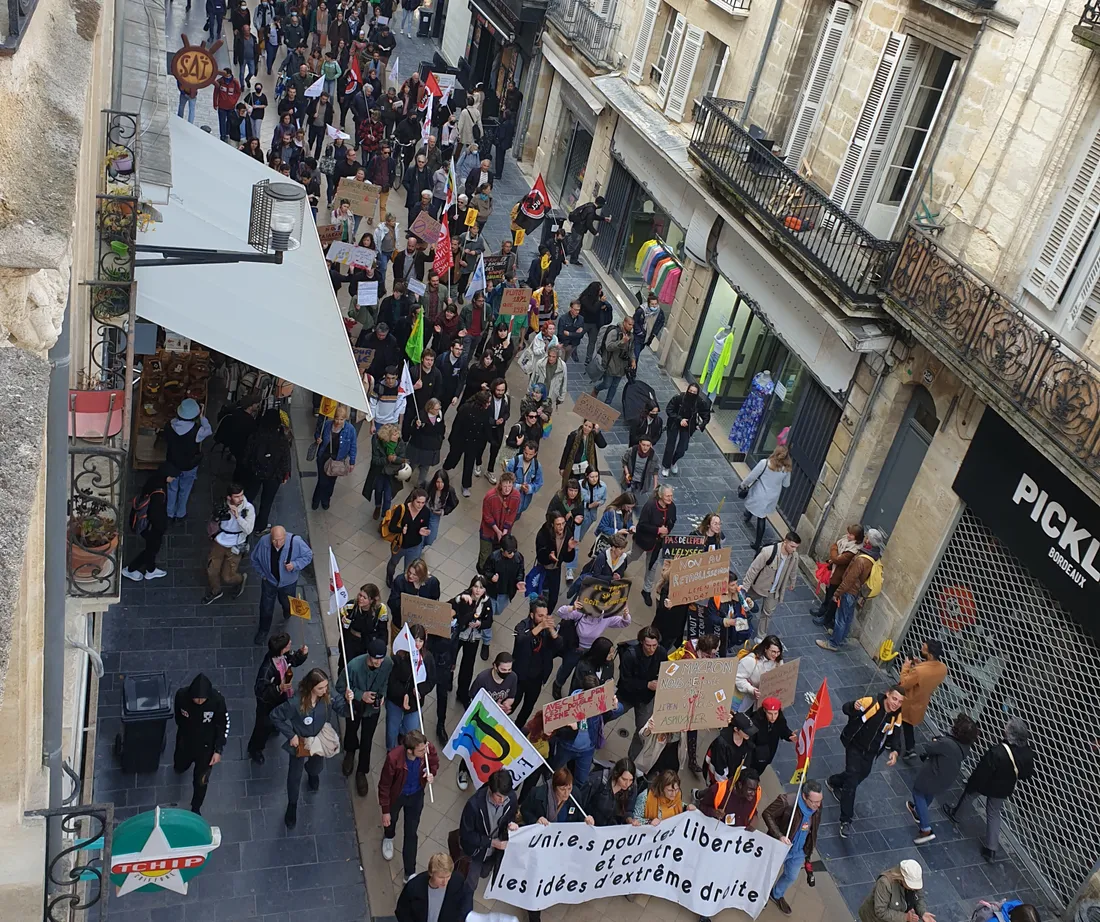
[(424, 27), (146, 708), (555, 218)]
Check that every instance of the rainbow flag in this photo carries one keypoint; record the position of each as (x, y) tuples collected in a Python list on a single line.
[(488, 740)]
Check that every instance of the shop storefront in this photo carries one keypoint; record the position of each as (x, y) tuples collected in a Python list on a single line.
[(498, 49), (1013, 600), (569, 160)]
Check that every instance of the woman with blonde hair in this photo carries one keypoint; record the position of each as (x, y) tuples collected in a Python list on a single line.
[(762, 487), (336, 446)]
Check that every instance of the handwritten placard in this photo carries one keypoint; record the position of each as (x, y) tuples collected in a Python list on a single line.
[(328, 407), (602, 597), (340, 252), (364, 358), (434, 615), (514, 301), (426, 228), (494, 270), (299, 608), (682, 545), (362, 196), (588, 407), (694, 694), (363, 256), (781, 682), (699, 576), (578, 706), (329, 234), (367, 294), (415, 286)]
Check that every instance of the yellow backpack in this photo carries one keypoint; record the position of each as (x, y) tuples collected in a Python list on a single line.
[(873, 586)]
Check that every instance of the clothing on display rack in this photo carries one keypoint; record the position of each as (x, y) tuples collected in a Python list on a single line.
[(660, 269), (752, 411), (718, 361)]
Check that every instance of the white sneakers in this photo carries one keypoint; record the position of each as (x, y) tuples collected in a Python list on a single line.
[(387, 849), (569, 574), (676, 468), (491, 477), (477, 470), (463, 778), (136, 575), (156, 574), (465, 492), (664, 471)]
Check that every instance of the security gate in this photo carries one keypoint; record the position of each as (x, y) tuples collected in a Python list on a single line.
[(1012, 650), (811, 434)]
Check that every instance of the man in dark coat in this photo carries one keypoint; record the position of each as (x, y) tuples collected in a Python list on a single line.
[(486, 820), (533, 652), (413, 905), (639, 665), (417, 179), (794, 820), (202, 727), (584, 219)]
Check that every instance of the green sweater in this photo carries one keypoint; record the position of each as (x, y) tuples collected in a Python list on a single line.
[(365, 679)]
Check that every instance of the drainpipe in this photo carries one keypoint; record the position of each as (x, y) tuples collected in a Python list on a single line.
[(57, 496), (760, 64), (118, 51)]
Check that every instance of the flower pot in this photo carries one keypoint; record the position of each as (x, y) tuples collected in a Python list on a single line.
[(123, 165), (91, 564)]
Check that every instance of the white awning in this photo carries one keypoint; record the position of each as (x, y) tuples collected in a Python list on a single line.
[(572, 75), (282, 319)]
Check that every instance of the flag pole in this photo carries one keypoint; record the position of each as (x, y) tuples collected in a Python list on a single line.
[(797, 796), (419, 710), (548, 780)]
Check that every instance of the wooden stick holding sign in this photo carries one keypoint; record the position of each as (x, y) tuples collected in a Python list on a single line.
[(588, 407), (699, 576)]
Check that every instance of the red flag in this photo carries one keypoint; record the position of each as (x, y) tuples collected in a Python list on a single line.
[(432, 85), (533, 206), (443, 259), (821, 715), (353, 71)]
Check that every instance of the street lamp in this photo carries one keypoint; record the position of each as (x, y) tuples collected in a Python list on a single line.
[(275, 225)]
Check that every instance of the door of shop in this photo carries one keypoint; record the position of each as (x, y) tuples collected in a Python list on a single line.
[(903, 462), (620, 192), (580, 145), (1013, 651), (811, 433)]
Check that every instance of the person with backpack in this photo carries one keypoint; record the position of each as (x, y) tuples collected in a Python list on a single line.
[(771, 575), (405, 527), (1004, 911), (943, 759), (616, 356), (584, 219), (595, 313), (862, 579), (149, 519), (184, 436), (265, 465), (278, 558)]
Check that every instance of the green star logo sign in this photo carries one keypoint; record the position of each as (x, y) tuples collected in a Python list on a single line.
[(161, 849)]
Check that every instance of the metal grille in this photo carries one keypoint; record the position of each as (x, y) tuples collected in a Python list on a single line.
[(620, 192), (811, 434), (1012, 650)]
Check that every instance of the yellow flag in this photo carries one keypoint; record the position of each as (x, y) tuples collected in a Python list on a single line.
[(299, 608)]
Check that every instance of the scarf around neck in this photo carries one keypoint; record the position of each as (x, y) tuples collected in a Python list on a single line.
[(658, 806)]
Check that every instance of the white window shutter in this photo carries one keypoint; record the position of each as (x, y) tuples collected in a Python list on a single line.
[(829, 46), (672, 59), (685, 73), (641, 44), (852, 166), (716, 89), (1069, 230), (605, 8)]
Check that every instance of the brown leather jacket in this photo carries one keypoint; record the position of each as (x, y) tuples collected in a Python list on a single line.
[(855, 575), (839, 562), (778, 817)]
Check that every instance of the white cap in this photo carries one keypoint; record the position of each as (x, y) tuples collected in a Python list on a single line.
[(911, 874)]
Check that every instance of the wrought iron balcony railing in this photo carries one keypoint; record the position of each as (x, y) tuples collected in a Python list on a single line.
[(19, 13), (1091, 14), (78, 861), (1087, 30), (590, 33), (1001, 349), (803, 217), (733, 6)]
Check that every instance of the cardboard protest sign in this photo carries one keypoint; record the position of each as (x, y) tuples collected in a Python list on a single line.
[(682, 545), (362, 196), (578, 706), (426, 228), (694, 694), (781, 683), (415, 286), (328, 407), (436, 617), (691, 860), (588, 407), (329, 234), (607, 599), (363, 358), (339, 252), (699, 576), (494, 270), (514, 301)]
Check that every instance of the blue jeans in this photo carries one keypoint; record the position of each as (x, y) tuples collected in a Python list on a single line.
[(245, 67), (845, 615), (179, 491), (223, 123), (923, 803), (582, 759), (433, 528), (407, 20), (269, 594), (398, 723), (271, 50), (383, 258), (569, 660), (792, 864), (330, 88), (408, 555), (383, 492), (187, 102), (212, 21), (611, 383)]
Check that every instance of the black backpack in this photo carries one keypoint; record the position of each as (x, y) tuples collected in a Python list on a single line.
[(139, 512)]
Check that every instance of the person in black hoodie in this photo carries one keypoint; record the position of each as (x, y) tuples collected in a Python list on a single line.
[(648, 424), (943, 759), (402, 713), (771, 728), (274, 684), (687, 413), (533, 652), (266, 465), (149, 518), (202, 727), (995, 777), (415, 902), (593, 315), (639, 666), (483, 839)]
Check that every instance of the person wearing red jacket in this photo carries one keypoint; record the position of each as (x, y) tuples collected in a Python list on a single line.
[(499, 511), (408, 769), (227, 93)]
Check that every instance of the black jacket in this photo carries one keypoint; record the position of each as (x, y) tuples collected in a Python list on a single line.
[(430, 590), (537, 804), (471, 426), (636, 671), (650, 519), (466, 612), (510, 571), (994, 775), (411, 525), (412, 904), (533, 654), (201, 728), (768, 736), (311, 111), (943, 760), (651, 428), (386, 352), (267, 455), (401, 679), (454, 377), (584, 219), (870, 729), (545, 546), (585, 667), (419, 258), (601, 805), (267, 679), (694, 408), (368, 625), (474, 831), (428, 436)]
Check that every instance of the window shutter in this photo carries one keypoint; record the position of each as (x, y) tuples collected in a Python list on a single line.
[(852, 166), (641, 43), (1069, 230), (673, 57), (685, 73), (716, 88), (606, 9), (829, 46)]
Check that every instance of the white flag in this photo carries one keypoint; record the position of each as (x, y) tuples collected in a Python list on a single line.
[(314, 91), (488, 741), (393, 70), (426, 129), (337, 591), (333, 132), (405, 386), (404, 641), (477, 279)]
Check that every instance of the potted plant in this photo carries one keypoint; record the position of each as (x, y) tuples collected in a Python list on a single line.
[(93, 540), (120, 160)]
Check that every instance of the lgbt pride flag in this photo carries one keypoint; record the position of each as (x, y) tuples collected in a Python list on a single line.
[(488, 740)]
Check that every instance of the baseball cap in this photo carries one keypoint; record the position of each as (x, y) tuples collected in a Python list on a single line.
[(376, 649), (911, 874), (744, 724)]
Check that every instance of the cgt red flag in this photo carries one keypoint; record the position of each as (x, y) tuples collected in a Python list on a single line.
[(443, 258), (432, 85), (821, 715)]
